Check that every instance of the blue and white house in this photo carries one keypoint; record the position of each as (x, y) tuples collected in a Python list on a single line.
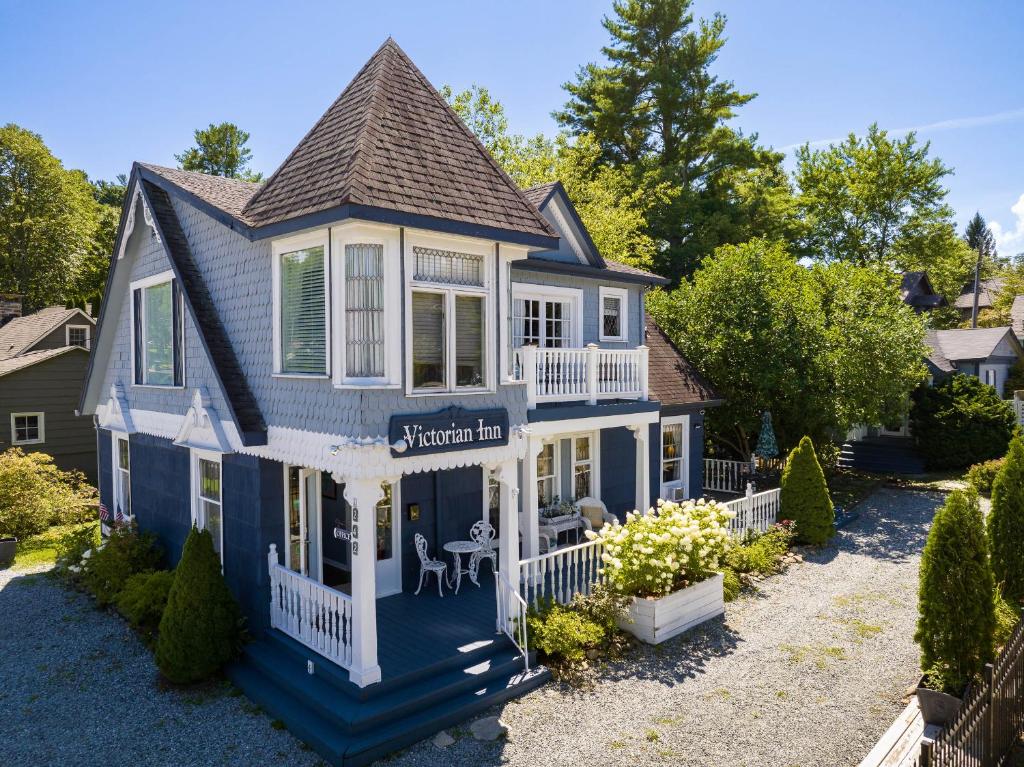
[(385, 342)]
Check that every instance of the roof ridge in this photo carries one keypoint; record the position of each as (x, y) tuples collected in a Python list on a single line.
[(362, 146)]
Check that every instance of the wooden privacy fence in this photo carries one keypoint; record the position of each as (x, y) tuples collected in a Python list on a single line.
[(991, 719)]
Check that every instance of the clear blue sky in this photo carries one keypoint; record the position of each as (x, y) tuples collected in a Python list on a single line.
[(106, 83)]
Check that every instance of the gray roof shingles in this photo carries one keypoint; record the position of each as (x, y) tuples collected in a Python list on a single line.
[(20, 333), (11, 364), (964, 343), (672, 379)]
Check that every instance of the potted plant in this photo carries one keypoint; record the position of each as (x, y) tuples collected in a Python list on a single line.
[(665, 560), (8, 547)]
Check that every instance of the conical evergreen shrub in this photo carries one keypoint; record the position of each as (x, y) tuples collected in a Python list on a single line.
[(957, 619), (199, 630), (804, 496), (1006, 523)]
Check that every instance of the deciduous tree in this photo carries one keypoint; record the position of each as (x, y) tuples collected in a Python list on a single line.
[(220, 150)]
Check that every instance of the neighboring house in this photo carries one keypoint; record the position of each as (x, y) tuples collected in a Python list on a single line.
[(988, 290), (1017, 317), (916, 291), (985, 353), (43, 359), (386, 341)]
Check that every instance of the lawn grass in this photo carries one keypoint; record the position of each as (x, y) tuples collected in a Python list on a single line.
[(848, 488), (39, 550)]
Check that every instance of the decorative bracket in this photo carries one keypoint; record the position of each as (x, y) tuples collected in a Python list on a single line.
[(201, 428)]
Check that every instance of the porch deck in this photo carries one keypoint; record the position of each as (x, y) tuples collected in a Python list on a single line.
[(416, 632)]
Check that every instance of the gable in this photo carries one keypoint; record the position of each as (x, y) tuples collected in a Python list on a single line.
[(574, 243)]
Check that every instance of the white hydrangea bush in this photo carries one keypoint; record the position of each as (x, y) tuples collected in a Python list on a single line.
[(666, 548)]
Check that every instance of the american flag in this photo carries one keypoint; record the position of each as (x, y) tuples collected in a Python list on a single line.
[(104, 513), (118, 515)]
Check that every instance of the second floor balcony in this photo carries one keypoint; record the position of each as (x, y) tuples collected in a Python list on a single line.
[(589, 374)]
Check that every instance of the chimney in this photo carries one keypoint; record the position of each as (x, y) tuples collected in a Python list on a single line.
[(10, 307)]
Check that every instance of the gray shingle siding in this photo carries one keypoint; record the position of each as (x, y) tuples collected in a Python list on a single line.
[(146, 257)]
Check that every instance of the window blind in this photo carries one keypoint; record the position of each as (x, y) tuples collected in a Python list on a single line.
[(428, 329), (303, 312), (469, 341), (364, 311)]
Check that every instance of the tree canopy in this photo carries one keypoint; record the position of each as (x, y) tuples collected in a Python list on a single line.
[(220, 150), (822, 348)]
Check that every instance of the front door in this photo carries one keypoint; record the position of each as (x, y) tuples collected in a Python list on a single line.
[(389, 550), (303, 522)]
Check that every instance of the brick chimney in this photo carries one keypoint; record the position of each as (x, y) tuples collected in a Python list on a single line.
[(10, 307)]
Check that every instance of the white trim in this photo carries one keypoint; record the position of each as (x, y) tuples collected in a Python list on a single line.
[(665, 488), (566, 229), (556, 468), (318, 238), (304, 519), (471, 247), (149, 282), (570, 425), (595, 446), (389, 239), (622, 294), (40, 417), (394, 567), (574, 296), (88, 335), (201, 428), (129, 225), (115, 437), (195, 455)]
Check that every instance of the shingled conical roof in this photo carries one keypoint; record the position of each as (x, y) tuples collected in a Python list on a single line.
[(390, 142)]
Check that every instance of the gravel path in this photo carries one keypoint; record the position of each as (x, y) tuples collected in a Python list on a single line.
[(77, 687), (807, 671)]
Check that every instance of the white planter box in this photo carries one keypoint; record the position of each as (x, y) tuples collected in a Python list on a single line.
[(655, 620)]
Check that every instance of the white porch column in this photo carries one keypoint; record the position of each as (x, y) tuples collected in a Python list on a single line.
[(363, 495), (529, 522), (507, 474), (641, 432)]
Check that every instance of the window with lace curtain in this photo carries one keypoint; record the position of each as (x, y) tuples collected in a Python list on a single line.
[(364, 311)]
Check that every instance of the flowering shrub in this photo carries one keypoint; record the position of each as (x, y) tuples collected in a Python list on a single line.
[(665, 549)]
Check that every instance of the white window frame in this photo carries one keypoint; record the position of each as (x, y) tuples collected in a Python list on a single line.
[(115, 436), (194, 486), (684, 474), (88, 335), (489, 478), (459, 245), (320, 238), (389, 239), (149, 282), (595, 446), (573, 296), (318, 519), (41, 423), (623, 295), (556, 466)]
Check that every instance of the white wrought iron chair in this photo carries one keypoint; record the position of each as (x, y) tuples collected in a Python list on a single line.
[(483, 533), (589, 503), (428, 565)]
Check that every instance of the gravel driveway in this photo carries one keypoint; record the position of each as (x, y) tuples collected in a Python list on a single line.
[(809, 670)]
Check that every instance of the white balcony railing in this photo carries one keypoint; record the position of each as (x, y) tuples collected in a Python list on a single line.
[(590, 374)]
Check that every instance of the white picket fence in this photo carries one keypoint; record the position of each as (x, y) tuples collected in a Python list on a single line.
[(721, 476), (561, 574), (311, 613), (754, 511)]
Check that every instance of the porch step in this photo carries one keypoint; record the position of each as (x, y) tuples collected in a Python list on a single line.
[(884, 455), (348, 730)]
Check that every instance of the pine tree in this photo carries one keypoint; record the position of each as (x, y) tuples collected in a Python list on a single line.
[(980, 237), (1006, 523), (956, 622), (804, 496), (199, 629)]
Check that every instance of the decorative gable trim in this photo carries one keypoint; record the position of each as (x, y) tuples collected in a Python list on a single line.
[(201, 429), (115, 415), (129, 223)]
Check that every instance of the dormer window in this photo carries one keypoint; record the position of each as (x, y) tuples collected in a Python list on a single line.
[(613, 313), (157, 331), (301, 296)]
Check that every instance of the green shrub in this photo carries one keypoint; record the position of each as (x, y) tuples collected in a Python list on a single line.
[(1014, 380), (201, 626), (602, 606), (804, 497), (956, 621), (1006, 523), (981, 475), (143, 598), (563, 634), (35, 494), (1007, 616), (125, 553), (760, 554), (960, 422), (72, 544), (730, 584)]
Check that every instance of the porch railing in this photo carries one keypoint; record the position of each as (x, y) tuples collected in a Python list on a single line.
[(754, 511), (311, 613), (561, 574), (1018, 409), (589, 374), (512, 615), (721, 476)]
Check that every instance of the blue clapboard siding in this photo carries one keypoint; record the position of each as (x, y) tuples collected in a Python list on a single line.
[(105, 468), (160, 491), (618, 470)]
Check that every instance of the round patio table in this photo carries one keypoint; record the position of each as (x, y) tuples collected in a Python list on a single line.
[(457, 549)]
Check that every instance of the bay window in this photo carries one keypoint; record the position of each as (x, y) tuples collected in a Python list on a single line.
[(300, 306), (449, 300), (157, 331), (364, 311)]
